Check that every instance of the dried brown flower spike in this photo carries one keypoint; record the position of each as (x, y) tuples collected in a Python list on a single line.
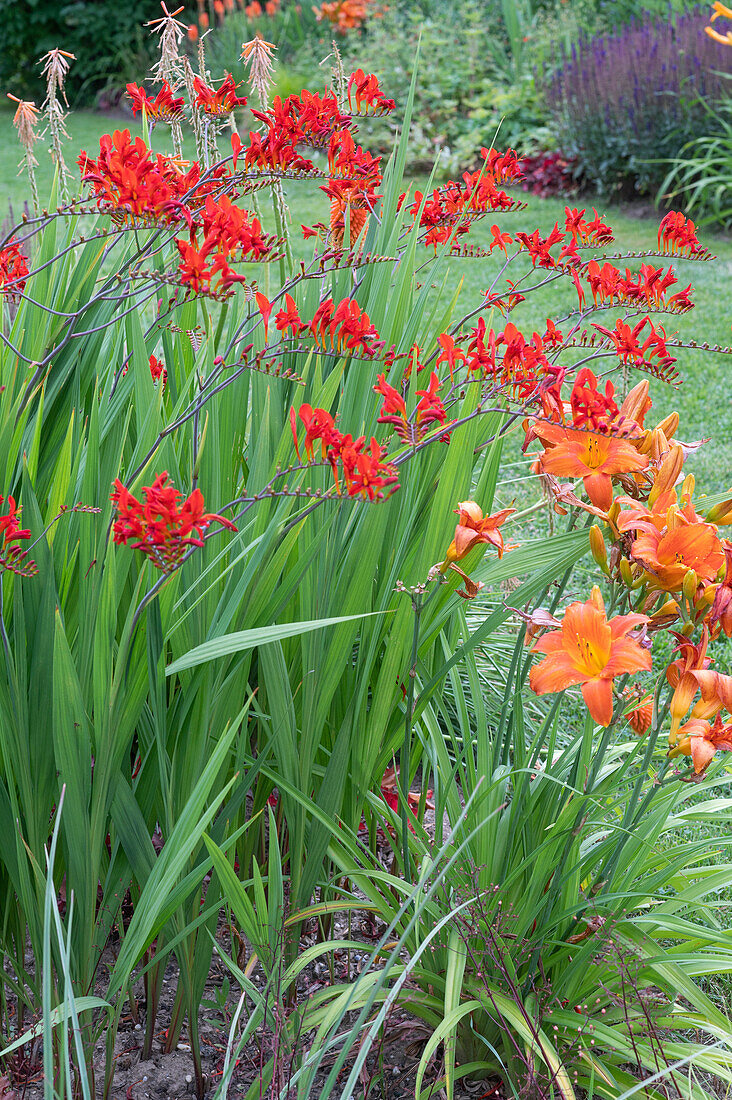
[(55, 70), (171, 32), (258, 56), (25, 121)]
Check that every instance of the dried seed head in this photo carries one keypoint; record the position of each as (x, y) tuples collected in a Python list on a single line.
[(171, 31), (258, 55), (24, 121), (55, 70)]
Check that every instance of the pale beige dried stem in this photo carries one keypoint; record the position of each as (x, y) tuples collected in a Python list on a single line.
[(171, 32), (258, 55), (25, 121), (202, 70), (188, 78), (55, 70), (338, 73)]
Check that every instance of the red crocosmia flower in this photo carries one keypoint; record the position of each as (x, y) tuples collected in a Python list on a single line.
[(474, 528), (367, 472), (164, 108), (162, 529), (394, 410), (594, 458), (157, 370), (13, 270), (500, 240), (12, 557), (218, 101), (289, 318), (450, 354), (236, 148), (677, 235), (319, 425), (265, 308), (430, 409), (365, 95), (590, 407), (589, 650), (552, 338)]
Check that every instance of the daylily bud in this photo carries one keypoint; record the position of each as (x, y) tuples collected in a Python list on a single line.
[(612, 516), (668, 474), (687, 489), (690, 585), (669, 425), (637, 403), (626, 573), (655, 445), (721, 513), (598, 549)]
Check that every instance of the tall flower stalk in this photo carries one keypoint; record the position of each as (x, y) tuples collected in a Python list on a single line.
[(171, 31), (55, 69), (25, 121)]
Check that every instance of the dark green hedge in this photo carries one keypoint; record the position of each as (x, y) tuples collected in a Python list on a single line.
[(107, 36)]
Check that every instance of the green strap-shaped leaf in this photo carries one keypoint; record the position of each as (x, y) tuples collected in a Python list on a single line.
[(248, 639)]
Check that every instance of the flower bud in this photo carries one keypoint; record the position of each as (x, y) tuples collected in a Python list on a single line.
[(637, 403), (668, 474), (626, 573), (689, 585), (721, 513), (597, 547), (669, 425)]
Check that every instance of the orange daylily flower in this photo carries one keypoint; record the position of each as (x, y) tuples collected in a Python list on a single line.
[(473, 528), (701, 740), (669, 554), (595, 458), (589, 650), (716, 690)]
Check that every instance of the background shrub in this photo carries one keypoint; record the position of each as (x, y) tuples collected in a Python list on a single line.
[(110, 42), (624, 103)]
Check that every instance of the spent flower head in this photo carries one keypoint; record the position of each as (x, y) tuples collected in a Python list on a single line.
[(171, 31), (56, 70), (258, 55), (25, 120)]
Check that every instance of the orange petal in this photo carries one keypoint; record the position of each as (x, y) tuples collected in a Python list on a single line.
[(599, 489), (598, 695), (702, 753), (554, 673)]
